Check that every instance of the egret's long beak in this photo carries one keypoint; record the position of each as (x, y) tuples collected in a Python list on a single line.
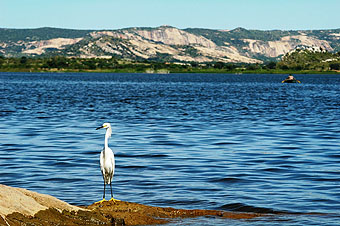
[(100, 128)]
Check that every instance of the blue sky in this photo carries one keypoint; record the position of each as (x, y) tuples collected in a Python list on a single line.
[(214, 14)]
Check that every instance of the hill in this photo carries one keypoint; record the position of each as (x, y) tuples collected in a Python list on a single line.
[(165, 43)]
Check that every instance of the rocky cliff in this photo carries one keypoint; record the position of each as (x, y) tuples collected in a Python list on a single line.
[(166, 43)]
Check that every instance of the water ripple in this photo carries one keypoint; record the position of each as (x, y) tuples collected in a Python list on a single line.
[(233, 142)]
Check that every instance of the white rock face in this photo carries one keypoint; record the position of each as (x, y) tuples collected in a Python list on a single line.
[(336, 35), (149, 43), (28, 202), (285, 45), (38, 47), (174, 36)]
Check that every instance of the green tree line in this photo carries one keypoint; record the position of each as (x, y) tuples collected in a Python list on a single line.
[(297, 61), (304, 59)]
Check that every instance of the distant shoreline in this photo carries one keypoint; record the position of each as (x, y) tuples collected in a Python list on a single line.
[(193, 71), (303, 61)]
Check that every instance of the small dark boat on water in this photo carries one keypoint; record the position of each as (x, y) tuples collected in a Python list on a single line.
[(291, 79)]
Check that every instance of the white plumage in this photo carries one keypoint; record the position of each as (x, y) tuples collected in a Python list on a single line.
[(107, 159), (107, 164)]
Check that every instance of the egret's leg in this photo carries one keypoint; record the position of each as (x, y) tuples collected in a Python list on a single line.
[(103, 196), (112, 199), (104, 192), (111, 190)]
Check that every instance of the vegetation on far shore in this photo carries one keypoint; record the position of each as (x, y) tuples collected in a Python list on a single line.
[(299, 61)]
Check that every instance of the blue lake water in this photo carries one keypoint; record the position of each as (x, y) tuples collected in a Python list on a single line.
[(207, 141)]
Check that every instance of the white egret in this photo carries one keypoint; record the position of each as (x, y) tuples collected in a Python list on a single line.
[(107, 159)]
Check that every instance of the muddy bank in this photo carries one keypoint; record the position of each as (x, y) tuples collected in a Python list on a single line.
[(115, 213), (138, 214), (22, 207)]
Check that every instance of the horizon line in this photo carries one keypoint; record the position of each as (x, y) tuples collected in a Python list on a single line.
[(136, 27)]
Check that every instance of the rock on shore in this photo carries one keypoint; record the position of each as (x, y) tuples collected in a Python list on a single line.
[(28, 202), (19, 206)]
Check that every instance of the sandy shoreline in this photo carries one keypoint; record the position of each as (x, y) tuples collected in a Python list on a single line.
[(18, 206)]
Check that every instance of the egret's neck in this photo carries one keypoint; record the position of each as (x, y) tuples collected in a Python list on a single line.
[(107, 136)]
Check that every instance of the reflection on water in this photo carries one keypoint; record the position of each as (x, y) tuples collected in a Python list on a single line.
[(233, 142)]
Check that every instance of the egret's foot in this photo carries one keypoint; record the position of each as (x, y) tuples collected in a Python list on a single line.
[(113, 200), (100, 201)]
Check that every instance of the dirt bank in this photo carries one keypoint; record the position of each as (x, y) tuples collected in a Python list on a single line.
[(115, 213), (19, 206), (138, 214)]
